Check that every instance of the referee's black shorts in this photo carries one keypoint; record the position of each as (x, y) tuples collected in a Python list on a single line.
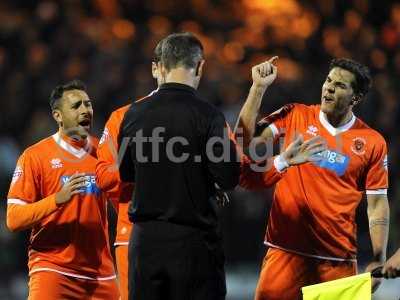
[(168, 261)]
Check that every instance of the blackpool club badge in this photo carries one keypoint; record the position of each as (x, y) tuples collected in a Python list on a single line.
[(358, 146)]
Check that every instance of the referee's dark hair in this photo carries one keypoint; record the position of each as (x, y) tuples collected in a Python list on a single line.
[(59, 90), (158, 52), (181, 50)]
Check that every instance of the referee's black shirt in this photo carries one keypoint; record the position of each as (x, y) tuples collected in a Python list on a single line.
[(178, 191)]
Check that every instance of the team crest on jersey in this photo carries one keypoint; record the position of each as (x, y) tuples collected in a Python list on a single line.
[(90, 184), (17, 174), (104, 136), (312, 130), (56, 163), (333, 161), (358, 146)]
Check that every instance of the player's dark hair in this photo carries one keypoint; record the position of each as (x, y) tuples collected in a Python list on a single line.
[(181, 50), (363, 80), (59, 90)]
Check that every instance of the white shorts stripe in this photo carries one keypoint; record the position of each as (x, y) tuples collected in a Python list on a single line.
[(310, 255), (71, 274), (16, 201), (376, 192), (121, 243)]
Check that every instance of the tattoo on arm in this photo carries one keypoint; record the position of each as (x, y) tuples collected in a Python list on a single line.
[(379, 222)]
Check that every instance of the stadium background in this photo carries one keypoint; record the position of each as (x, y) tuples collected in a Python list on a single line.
[(109, 43)]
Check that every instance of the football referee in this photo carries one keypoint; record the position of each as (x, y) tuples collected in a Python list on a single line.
[(176, 150)]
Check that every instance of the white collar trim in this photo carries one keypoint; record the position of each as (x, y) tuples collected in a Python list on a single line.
[(79, 153), (336, 130)]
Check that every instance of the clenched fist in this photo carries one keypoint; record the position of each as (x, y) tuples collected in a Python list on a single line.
[(265, 73)]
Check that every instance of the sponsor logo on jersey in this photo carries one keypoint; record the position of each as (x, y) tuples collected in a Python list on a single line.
[(104, 136), (333, 161), (90, 184), (312, 130), (17, 174), (56, 163), (385, 163), (358, 146)]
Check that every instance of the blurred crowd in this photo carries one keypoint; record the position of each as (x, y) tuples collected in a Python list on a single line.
[(109, 45)]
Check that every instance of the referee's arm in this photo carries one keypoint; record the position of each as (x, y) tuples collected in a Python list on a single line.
[(222, 158)]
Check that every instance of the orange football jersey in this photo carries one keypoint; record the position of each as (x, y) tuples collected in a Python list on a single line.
[(314, 207), (73, 240), (108, 175)]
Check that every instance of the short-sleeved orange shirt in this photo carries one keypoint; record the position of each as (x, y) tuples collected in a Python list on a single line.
[(108, 175), (73, 240), (314, 207)]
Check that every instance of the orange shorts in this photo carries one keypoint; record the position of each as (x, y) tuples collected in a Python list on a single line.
[(121, 256), (283, 274), (55, 286)]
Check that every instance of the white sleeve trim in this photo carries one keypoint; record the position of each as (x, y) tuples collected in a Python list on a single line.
[(274, 129), (16, 201), (280, 163), (376, 192)]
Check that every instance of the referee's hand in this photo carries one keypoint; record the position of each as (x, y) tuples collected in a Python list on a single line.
[(221, 196), (391, 269), (376, 282)]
